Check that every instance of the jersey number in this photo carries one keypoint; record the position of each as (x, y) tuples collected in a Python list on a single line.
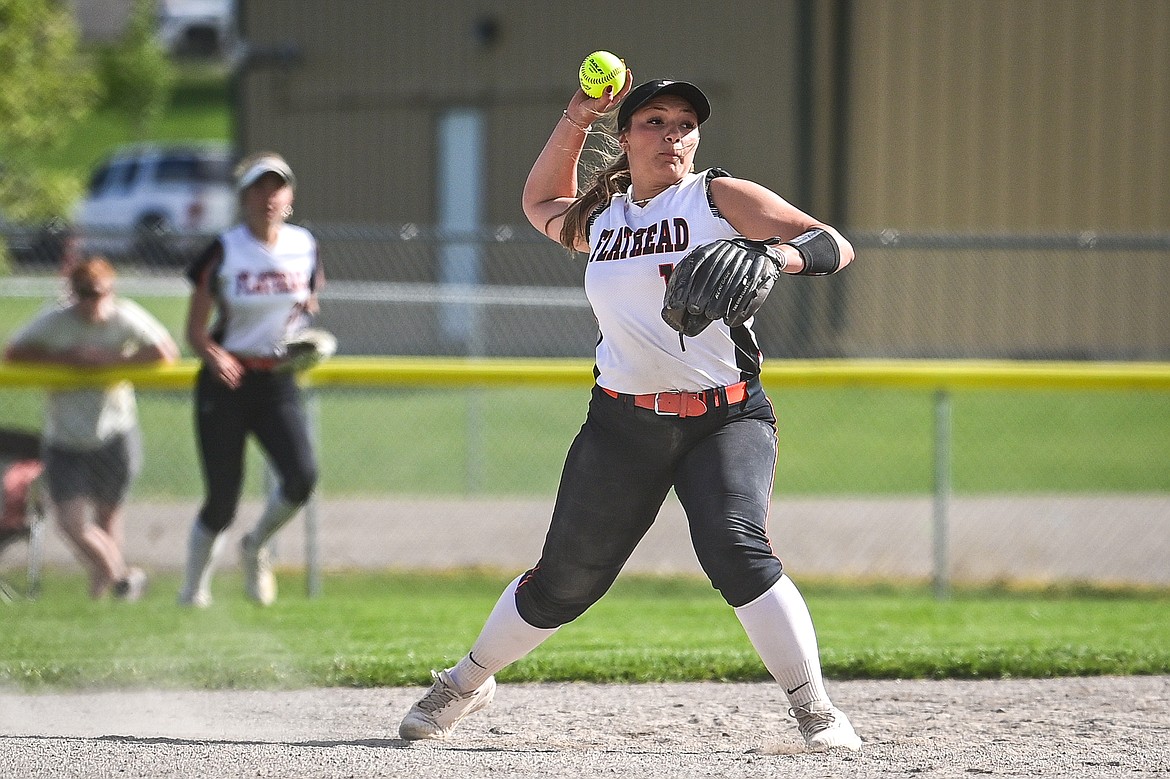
[(664, 270)]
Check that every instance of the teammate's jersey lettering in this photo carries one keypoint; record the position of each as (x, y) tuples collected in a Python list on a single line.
[(669, 235), (270, 282)]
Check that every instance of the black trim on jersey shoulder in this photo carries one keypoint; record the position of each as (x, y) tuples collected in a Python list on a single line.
[(713, 173), (593, 217), (206, 263)]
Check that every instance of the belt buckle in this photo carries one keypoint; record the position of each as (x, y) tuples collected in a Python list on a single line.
[(658, 411), (684, 405)]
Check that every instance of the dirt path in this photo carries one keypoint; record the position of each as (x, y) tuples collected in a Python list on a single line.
[(1092, 728), (1116, 539)]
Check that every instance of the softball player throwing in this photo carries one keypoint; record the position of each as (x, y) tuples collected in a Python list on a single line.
[(677, 403)]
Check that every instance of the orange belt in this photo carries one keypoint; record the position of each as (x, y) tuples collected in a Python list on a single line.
[(259, 363), (685, 404)]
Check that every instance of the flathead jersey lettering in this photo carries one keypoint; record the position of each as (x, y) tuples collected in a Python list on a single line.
[(632, 249), (270, 282), (669, 235)]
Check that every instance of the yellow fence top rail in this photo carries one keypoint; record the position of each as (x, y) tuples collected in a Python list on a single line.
[(454, 371)]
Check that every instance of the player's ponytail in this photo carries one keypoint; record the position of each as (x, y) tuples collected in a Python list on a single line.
[(611, 175)]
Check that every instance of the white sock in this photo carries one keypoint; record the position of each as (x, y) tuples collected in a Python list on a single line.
[(277, 513), (505, 638), (202, 548), (780, 628)]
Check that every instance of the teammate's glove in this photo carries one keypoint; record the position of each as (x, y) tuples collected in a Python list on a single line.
[(726, 279), (306, 348)]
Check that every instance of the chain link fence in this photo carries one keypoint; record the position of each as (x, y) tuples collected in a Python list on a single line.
[(507, 291), (1047, 486)]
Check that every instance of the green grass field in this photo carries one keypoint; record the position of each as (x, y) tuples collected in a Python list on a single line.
[(373, 629), (443, 441)]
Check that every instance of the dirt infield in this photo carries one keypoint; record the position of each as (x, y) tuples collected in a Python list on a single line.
[(1090, 728)]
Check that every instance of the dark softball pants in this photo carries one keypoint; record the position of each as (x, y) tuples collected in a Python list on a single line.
[(267, 405), (616, 476)]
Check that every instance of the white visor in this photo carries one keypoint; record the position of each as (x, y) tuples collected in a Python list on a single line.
[(266, 165)]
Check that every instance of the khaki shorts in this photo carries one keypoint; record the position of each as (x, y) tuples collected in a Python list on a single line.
[(103, 474)]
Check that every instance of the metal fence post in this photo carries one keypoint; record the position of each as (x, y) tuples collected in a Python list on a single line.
[(312, 529), (942, 491), (476, 348)]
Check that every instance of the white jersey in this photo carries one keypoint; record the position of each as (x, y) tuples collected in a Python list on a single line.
[(632, 251), (260, 291)]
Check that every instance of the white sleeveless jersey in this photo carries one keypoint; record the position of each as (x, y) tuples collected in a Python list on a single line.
[(259, 290), (632, 251)]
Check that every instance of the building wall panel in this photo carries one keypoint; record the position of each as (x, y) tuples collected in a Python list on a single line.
[(1007, 115), (406, 62)]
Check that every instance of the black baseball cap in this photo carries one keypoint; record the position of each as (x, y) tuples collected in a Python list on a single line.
[(660, 86)]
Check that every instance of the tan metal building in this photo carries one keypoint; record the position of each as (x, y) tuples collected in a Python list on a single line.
[(359, 103), (917, 116), (1010, 115), (970, 115)]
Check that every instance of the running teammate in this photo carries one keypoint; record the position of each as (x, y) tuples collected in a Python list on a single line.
[(260, 279)]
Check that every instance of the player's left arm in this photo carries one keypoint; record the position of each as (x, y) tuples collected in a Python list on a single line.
[(759, 213), (312, 306)]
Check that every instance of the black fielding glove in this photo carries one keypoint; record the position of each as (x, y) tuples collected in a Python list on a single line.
[(726, 279)]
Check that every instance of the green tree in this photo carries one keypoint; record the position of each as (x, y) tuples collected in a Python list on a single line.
[(46, 88), (136, 73)]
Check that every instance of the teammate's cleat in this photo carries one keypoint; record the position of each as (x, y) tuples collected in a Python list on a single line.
[(259, 582), (132, 587), (824, 726), (195, 599), (441, 709)]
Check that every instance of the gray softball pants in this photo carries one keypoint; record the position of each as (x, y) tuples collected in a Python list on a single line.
[(616, 476)]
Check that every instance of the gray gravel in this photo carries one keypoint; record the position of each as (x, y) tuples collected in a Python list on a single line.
[(1084, 727), (1090, 728)]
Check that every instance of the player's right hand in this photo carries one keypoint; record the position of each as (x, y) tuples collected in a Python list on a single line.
[(226, 367), (595, 107)]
